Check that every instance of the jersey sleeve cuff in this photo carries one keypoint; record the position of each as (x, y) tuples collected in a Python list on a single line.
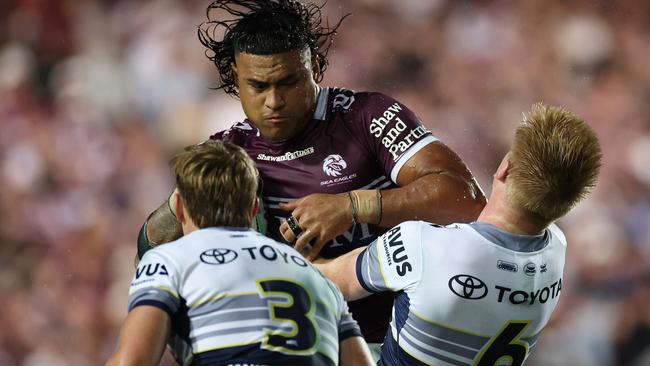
[(157, 304), (352, 332), (153, 296), (409, 154), (359, 271)]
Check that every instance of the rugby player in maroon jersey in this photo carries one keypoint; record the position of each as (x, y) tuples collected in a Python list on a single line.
[(338, 166)]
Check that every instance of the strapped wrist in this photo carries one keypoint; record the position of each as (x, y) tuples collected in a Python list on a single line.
[(354, 208), (366, 206)]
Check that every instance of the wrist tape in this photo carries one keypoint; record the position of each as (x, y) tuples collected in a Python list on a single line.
[(366, 206)]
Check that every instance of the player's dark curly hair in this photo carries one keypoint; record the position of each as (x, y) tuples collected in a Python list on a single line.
[(264, 27)]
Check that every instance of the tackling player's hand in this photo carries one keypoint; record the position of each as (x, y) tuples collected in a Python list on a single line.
[(322, 218)]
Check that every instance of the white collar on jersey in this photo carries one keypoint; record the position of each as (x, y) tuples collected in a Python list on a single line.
[(321, 103)]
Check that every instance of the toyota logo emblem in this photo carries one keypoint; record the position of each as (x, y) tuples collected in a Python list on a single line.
[(468, 287), (218, 256)]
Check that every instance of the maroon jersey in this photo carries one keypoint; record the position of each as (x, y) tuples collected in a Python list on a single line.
[(354, 141)]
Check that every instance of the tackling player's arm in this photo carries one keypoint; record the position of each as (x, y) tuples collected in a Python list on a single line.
[(375, 268), (142, 338), (342, 271), (435, 186)]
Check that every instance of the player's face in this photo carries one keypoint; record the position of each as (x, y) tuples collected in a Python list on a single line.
[(277, 92)]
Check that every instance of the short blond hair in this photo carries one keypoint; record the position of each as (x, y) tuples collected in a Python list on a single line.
[(218, 182), (554, 162)]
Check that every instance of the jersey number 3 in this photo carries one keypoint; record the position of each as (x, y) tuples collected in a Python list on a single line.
[(289, 302)]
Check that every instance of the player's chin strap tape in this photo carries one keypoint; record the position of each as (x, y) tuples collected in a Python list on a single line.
[(144, 244)]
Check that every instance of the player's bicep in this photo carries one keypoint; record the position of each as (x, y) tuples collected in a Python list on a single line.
[(393, 262), (434, 158)]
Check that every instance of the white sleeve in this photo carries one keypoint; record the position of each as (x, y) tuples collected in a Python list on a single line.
[(347, 326), (393, 262), (154, 283)]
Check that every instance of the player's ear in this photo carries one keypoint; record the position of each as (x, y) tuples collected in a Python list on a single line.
[(315, 68), (233, 68), (502, 171), (179, 207)]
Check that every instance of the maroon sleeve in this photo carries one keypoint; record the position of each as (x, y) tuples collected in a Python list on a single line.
[(392, 132)]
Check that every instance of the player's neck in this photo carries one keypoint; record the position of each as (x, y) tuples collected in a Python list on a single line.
[(497, 212), (189, 226)]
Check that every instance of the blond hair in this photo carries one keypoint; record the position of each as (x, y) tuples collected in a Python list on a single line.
[(554, 162), (218, 183)]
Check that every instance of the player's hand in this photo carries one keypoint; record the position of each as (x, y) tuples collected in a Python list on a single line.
[(322, 217)]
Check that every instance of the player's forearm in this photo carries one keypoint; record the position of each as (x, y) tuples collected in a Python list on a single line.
[(343, 272), (440, 198)]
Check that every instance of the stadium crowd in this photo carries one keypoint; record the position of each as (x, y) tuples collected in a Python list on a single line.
[(95, 95)]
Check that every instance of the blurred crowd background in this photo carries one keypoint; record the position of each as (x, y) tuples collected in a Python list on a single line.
[(95, 95)]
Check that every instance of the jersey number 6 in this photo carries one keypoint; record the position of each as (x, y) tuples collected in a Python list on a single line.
[(504, 345)]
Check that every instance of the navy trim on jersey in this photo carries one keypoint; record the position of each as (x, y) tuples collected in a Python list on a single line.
[(179, 341), (181, 322), (516, 242), (157, 304), (360, 268), (381, 304), (252, 354), (393, 355), (353, 332), (402, 305)]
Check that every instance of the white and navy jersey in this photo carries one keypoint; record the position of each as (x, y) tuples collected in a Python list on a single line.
[(467, 294), (239, 297)]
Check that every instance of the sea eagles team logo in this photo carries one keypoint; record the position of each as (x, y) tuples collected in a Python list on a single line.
[(333, 165), (468, 287), (218, 256)]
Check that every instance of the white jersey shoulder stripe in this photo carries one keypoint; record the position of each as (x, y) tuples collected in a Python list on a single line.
[(321, 104)]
